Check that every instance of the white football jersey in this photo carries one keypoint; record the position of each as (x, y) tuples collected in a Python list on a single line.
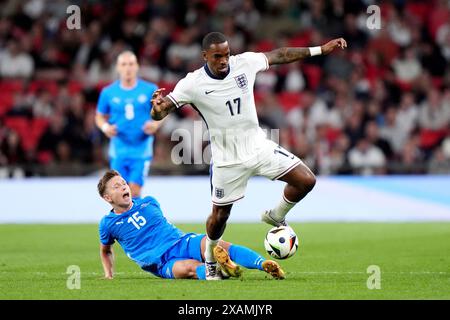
[(227, 106)]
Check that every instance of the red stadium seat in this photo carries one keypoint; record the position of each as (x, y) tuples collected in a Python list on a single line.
[(289, 100), (6, 101), (259, 96), (333, 133), (301, 40), (46, 85), (39, 124), (420, 10), (437, 81), (17, 123), (99, 86), (29, 131), (11, 85), (313, 75), (74, 87), (169, 86), (403, 85), (430, 138), (264, 46), (134, 8), (44, 157)]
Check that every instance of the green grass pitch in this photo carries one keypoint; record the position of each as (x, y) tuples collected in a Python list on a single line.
[(332, 262)]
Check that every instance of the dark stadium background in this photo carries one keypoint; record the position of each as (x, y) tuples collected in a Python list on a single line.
[(380, 107)]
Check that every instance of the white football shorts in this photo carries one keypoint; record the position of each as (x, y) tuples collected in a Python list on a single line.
[(228, 183)]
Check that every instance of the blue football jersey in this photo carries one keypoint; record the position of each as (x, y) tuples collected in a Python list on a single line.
[(143, 232), (128, 109)]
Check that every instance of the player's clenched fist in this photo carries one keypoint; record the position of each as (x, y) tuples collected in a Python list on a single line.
[(157, 99), (110, 130), (333, 44)]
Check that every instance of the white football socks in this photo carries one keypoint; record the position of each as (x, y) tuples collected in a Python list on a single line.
[(209, 247), (279, 212)]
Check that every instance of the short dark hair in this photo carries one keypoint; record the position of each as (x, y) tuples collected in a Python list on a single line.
[(213, 38), (101, 187)]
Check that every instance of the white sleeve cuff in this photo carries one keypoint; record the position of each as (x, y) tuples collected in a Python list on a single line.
[(315, 51)]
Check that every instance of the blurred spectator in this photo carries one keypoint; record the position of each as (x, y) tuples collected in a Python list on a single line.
[(12, 150), (354, 128), (337, 160), (443, 40), (338, 65), (186, 49), (269, 113), (295, 81), (236, 38), (247, 17), (102, 70), (373, 136), (42, 106), (399, 29), (446, 146), (366, 159), (14, 62), (352, 34), (408, 113), (55, 133), (434, 112), (339, 112), (412, 157), (384, 47), (22, 104), (88, 49), (407, 67), (439, 163), (392, 132)]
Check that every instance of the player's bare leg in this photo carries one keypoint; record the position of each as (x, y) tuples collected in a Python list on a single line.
[(300, 181), (135, 190), (185, 269), (215, 227)]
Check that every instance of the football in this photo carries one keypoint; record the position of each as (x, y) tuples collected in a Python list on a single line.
[(281, 242)]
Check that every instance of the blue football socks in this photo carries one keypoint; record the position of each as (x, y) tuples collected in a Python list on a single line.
[(246, 257)]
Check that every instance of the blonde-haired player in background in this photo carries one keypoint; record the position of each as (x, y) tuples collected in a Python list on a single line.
[(123, 114)]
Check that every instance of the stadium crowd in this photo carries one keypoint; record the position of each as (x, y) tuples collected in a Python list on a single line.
[(380, 107)]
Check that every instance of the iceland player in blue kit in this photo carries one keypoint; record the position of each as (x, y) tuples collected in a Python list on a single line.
[(159, 247), (123, 114)]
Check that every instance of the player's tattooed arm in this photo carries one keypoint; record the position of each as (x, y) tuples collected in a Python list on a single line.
[(288, 54), (161, 106)]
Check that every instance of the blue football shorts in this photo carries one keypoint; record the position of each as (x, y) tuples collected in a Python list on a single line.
[(132, 170), (189, 247)]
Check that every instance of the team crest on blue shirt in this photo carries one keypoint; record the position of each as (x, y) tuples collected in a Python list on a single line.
[(241, 81), (116, 100), (220, 193), (142, 98)]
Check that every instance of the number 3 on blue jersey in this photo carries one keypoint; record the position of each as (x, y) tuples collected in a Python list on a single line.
[(137, 221)]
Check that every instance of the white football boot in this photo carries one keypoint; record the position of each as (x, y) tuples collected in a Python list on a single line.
[(213, 271), (267, 218)]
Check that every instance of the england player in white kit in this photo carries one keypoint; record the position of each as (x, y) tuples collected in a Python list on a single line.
[(222, 92)]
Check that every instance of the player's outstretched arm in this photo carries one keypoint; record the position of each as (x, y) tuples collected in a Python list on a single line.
[(288, 55), (107, 257), (161, 106)]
